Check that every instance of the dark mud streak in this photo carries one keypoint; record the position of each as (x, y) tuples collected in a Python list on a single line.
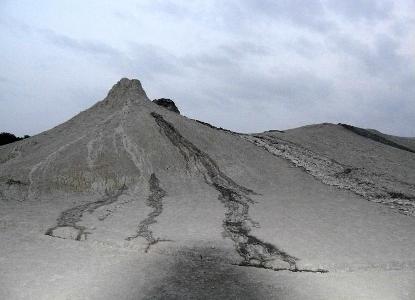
[(375, 137), (237, 224), (71, 216), (155, 201), (193, 154)]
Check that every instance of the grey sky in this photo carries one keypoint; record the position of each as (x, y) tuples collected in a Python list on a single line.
[(245, 65)]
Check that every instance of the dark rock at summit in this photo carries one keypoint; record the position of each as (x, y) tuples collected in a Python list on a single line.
[(167, 103)]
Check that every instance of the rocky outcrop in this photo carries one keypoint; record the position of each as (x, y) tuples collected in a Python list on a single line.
[(167, 103)]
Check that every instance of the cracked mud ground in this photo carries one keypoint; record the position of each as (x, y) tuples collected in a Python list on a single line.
[(235, 198)]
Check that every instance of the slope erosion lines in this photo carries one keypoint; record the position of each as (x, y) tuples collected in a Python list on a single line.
[(155, 201), (138, 156), (44, 164), (69, 218), (379, 188), (94, 147), (237, 223)]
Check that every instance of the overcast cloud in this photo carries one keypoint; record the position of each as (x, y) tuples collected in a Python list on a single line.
[(245, 65)]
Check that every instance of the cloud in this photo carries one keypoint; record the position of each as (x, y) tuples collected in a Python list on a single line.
[(246, 65), (368, 10), (87, 46), (309, 14), (241, 49), (166, 7), (145, 59), (148, 60), (377, 59)]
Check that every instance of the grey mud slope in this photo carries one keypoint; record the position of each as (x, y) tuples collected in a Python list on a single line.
[(67, 227), (155, 201), (235, 198), (375, 137), (379, 188)]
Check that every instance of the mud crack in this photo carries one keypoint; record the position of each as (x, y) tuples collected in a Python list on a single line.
[(237, 223), (67, 227), (155, 201)]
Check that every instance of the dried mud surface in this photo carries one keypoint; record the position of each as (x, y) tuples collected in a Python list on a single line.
[(236, 200)]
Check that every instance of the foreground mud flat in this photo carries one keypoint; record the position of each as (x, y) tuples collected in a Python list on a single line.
[(131, 200)]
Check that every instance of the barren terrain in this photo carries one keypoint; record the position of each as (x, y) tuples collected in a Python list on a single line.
[(129, 200)]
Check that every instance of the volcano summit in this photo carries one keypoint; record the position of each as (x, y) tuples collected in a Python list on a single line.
[(131, 200)]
